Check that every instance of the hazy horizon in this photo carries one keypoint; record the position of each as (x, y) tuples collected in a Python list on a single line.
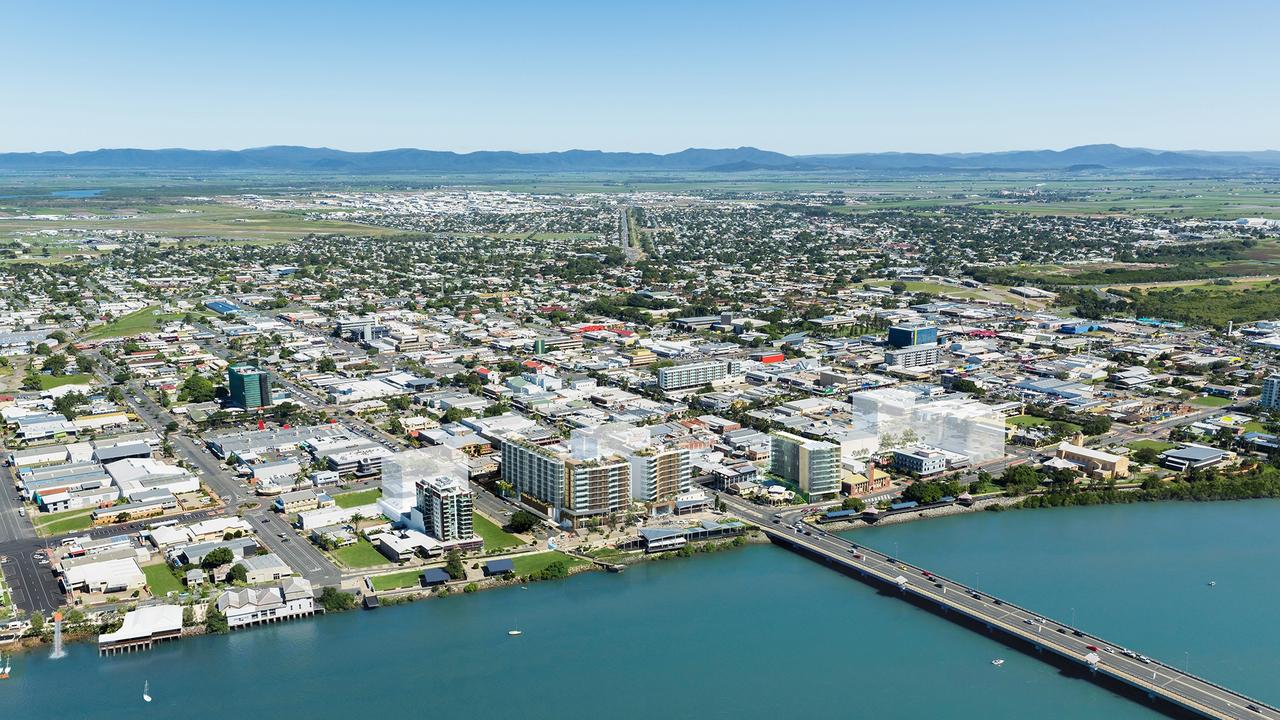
[(806, 78)]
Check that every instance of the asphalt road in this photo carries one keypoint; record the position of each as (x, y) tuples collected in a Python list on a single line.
[(1197, 694)]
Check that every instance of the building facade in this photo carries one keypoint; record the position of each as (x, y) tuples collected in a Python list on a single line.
[(446, 505), (814, 465), (250, 388), (1270, 398), (691, 375)]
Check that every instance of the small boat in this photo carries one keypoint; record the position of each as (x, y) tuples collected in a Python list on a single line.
[(146, 691), (998, 662), (4, 671), (513, 633), (1212, 583)]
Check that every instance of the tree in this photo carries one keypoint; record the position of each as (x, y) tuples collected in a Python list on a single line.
[(1096, 425), (217, 557), (898, 287), (326, 364), (1019, 479), (198, 388), (37, 623), (522, 521), (453, 565), (853, 503), (215, 622), (238, 573), (69, 403), (923, 492), (1146, 455), (334, 600), (55, 364)]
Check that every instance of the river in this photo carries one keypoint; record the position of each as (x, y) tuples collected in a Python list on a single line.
[(751, 633)]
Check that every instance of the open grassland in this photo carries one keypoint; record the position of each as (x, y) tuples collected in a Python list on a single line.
[(362, 554), (495, 538), (48, 382), (201, 220), (144, 320), (357, 498)]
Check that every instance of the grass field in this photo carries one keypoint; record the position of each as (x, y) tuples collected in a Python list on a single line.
[(161, 580), (1157, 445), (144, 320), (495, 538), (1210, 401), (362, 554), (48, 382), (396, 581), (357, 498), (63, 522), (529, 564)]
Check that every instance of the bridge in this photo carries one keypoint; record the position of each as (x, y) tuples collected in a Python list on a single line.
[(1168, 689)]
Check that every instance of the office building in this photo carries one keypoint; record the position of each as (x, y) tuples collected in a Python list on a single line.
[(691, 375), (813, 465), (909, 334), (914, 356), (1270, 398), (250, 387), (924, 462)]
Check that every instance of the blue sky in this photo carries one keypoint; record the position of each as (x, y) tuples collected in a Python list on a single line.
[(797, 77)]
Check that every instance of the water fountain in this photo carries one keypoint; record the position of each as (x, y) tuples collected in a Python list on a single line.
[(58, 652)]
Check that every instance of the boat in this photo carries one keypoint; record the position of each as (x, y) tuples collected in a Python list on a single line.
[(4, 671), (146, 691), (1212, 583), (513, 633), (998, 662)]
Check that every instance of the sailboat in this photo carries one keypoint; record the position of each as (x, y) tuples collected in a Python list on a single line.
[(514, 633), (998, 662), (4, 671), (146, 691)]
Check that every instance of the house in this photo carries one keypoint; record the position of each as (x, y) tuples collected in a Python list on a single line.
[(292, 598)]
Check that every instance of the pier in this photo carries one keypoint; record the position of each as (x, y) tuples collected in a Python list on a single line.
[(1164, 687)]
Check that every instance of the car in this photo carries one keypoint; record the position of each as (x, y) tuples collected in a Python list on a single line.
[(998, 601), (937, 585), (853, 551), (891, 561), (1077, 633), (858, 555), (285, 540), (1091, 648), (1253, 707), (1144, 659), (22, 512), (926, 573), (1028, 621), (280, 535), (1062, 630), (776, 521), (1108, 648), (975, 595)]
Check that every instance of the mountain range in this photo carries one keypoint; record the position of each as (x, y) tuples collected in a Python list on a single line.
[(287, 158)]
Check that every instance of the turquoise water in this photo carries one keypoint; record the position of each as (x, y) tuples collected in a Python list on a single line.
[(753, 633)]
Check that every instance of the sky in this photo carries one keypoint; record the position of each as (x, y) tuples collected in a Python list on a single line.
[(797, 77)]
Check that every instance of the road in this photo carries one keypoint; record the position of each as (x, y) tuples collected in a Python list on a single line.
[(629, 249), (1148, 675)]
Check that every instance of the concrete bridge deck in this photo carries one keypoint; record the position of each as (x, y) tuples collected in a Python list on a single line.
[(1172, 690)]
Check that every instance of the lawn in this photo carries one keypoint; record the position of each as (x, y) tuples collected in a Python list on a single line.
[(161, 580), (63, 522), (362, 554), (48, 382), (395, 581), (1210, 401), (357, 498), (495, 538), (529, 564), (1157, 445), (139, 321)]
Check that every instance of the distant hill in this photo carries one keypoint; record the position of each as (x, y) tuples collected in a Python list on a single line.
[(285, 158)]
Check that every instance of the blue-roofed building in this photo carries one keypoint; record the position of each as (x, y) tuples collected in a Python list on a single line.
[(499, 567), (1193, 457), (434, 576), (222, 306)]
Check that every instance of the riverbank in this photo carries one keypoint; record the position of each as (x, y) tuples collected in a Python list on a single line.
[(930, 513)]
